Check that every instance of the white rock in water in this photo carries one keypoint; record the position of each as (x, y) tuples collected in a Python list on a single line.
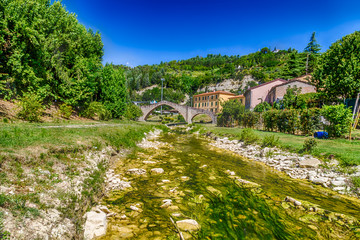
[(310, 163), (149, 162), (165, 181), (134, 208), (95, 225), (136, 171), (184, 178), (188, 225), (339, 188), (231, 173), (157, 170)]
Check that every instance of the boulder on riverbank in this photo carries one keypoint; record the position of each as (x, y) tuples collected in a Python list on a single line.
[(188, 225), (95, 225)]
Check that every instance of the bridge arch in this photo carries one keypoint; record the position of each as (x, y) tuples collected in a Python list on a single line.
[(159, 105), (187, 112)]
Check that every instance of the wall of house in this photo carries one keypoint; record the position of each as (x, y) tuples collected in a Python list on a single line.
[(280, 91), (260, 94)]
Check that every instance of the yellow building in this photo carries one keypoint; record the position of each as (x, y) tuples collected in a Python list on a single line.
[(211, 101), (240, 98)]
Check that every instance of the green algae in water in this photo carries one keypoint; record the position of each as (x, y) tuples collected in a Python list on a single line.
[(223, 209)]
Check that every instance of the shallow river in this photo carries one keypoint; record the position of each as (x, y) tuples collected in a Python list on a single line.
[(223, 208)]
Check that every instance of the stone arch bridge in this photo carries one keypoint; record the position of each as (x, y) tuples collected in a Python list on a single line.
[(187, 112)]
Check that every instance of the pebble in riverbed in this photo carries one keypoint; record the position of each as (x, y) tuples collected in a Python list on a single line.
[(136, 171), (296, 166), (157, 170)]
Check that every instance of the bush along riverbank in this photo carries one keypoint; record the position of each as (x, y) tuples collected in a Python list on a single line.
[(50, 177), (329, 174)]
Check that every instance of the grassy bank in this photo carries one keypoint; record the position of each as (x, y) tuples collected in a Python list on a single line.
[(347, 152), (38, 160)]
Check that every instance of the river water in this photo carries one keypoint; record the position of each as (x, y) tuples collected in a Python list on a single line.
[(223, 208)]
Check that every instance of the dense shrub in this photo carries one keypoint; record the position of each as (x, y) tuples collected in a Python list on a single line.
[(248, 136), (65, 110), (309, 120), (270, 119), (270, 141), (309, 145), (133, 112), (339, 119), (249, 119), (97, 109), (30, 108), (262, 107), (288, 121), (232, 113)]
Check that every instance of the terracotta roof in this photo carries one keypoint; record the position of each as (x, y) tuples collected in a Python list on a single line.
[(278, 79), (238, 96), (217, 92)]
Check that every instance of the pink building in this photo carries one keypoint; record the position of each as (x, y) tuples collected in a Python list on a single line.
[(278, 92), (260, 93)]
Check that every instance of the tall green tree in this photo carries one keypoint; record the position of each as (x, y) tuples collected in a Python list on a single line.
[(114, 93), (313, 47), (46, 51), (338, 71)]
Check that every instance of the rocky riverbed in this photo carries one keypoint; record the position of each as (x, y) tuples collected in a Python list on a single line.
[(328, 174), (171, 187)]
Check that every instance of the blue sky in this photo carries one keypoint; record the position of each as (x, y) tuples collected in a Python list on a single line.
[(137, 32)]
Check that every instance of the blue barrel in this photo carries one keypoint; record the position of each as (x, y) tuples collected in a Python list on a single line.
[(321, 135)]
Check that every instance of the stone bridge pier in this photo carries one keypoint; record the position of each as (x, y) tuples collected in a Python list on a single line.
[(187, 112)]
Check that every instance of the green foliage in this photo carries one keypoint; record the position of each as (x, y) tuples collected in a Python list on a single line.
[(248, 136), (338, 71), (309, 145), (290, 97), (262, 107), (232, 113), (4, 235), (288, 121), (65, 110), (30, 108), (97, 109), (270, 141), (45, 50), (169, 94), (356, 181), (113, 90), (309, 120), (270, 119), (133, 112), (313, 47), (249, 119), (339, 117)]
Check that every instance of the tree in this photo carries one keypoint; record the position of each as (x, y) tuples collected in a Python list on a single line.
[(232, 112), (313, 47), (290, 97), (113, 90), (338, 71)]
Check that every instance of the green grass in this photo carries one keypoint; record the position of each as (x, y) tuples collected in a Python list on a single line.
[(347, 152), (118, 134)]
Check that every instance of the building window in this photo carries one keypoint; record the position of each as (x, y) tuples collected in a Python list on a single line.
[(216, 103), (211, 103), (212, 97), (216, 96)]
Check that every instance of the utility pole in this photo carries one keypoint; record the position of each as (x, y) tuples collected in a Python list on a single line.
[(307, 63), (162, 81)]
